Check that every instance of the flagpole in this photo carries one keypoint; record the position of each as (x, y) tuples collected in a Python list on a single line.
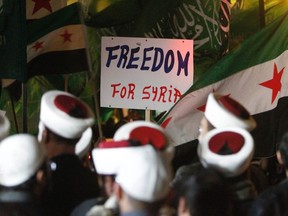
[(148, 115), (92, 79), (14, 113), (262, 14), (24, 108), (66, 83)]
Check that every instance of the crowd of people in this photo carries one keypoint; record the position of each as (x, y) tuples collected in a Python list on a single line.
[(133, 173)]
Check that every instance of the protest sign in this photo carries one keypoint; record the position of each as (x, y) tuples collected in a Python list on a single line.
[(145, 73)]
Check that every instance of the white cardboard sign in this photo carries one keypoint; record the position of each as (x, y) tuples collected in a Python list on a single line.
[(145, 73)]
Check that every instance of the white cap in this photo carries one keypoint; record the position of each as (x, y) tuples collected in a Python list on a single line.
[(65, 114), (83, 145), (20, 157), (141, 171), (144, 171), (4, 126), (223, 111), (146, 133), (230, 150)]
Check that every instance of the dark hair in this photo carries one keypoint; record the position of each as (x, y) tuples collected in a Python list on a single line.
[(283, 148), (207, 192), (23, 199), (183, 173)]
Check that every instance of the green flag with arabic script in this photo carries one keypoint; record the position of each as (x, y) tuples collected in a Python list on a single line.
[(206, 22), (12, 40)]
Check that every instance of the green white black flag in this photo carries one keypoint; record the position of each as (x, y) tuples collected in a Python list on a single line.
[(256, 74), (57, 43)]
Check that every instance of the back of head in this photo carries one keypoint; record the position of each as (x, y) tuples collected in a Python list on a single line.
[(283, 149), (206, 192), (68, 118), (230, 150), (20, 157), (185, 172), (64, 114), (140, 159)]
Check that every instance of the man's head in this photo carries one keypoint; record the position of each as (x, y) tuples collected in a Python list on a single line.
[(282, 152), (205, 192), (67, 117), (223, 111), (140, 158), (20, 157), (229, 150)]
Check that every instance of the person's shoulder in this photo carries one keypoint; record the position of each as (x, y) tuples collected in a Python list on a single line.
[(276, 190), (274, 197), (86, 205)]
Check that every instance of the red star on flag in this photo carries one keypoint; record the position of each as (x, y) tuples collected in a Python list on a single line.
[(275, 83), (166, 122), (42, 4), (38, 45), (66, 36), (202, 108)]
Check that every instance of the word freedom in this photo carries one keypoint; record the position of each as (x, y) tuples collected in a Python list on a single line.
[(154, 58)]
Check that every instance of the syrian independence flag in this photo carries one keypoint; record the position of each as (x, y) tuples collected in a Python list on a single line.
[(36, 9), (57, 43), (256, 75)]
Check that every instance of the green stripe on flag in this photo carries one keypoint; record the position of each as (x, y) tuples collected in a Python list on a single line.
[(69, 15), (57, 43)]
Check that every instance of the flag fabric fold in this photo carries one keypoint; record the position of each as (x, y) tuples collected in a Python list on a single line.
[(57, 43), (12, 40), (256, 75)]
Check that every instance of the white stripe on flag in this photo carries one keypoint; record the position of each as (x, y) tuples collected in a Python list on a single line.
[(243, 86), (54, 41)]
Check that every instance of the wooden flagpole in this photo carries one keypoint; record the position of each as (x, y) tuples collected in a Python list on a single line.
[(24, 108), (148, 115), (92, 80), (14, 114), (262, 14)]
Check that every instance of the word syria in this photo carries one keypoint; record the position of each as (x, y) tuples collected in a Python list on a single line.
[(153, 59), (154, 93)]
